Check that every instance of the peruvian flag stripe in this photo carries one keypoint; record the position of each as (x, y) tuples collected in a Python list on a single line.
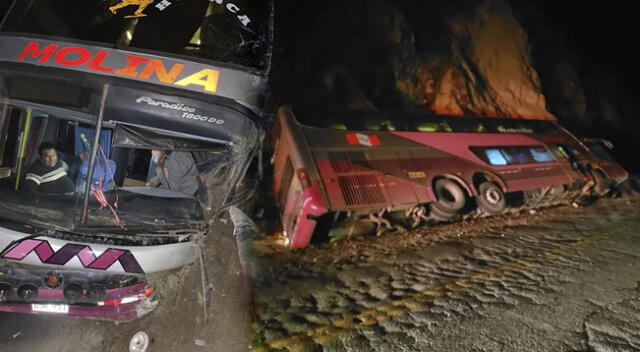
[(352, 138), (369, 140)]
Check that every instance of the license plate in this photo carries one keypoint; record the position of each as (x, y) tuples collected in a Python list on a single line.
[(50, 308)]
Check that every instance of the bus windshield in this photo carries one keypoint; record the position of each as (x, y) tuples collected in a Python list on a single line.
[(45, 164), (229, 31), (154, 160)]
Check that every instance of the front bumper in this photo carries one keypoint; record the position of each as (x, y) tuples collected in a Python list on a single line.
[(120, 304)]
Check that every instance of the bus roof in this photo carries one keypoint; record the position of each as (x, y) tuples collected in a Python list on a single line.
[(401, 121)]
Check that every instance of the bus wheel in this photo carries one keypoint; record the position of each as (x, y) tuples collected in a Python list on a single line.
[(491, 199), (440, 215), (450, 197)]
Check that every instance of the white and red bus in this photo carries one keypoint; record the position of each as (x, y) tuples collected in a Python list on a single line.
[(99, 85), (368, 164)]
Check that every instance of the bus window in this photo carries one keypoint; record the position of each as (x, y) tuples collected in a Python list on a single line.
[(38, 168), (232, 33), (427, 127), (598, 148), (516, 155), (372, 126), (387, 126), (338, 126), (541, 154), (495, 157), (559, 152), (573, 150), (444, 127)]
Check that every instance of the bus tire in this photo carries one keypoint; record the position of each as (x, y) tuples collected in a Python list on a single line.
[(440, 215), (490, 198), (450, 197)]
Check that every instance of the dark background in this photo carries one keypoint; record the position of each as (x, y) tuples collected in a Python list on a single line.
[(603, 39)]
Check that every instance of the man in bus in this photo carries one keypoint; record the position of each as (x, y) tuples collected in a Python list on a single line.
[(176, 171), (48, 174)]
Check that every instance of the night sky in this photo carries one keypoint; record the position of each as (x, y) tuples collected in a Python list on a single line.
[(603, 36)]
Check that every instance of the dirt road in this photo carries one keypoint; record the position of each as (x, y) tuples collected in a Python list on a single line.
[(562, 279)]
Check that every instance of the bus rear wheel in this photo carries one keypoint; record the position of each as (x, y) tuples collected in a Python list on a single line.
[(439, 214), (490, 198), (450, 197)]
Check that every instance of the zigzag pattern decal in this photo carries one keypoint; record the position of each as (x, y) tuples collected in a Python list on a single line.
[(68, 251)]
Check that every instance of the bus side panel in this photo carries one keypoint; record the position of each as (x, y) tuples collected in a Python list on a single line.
[(516, 177), (530, 176), (371, 179), (458, 144)]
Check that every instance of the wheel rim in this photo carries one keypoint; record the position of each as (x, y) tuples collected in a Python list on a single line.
[(493, 196), (139, 342)]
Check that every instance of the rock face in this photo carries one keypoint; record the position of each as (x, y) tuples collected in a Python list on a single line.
[(491, 72), (471, 60)]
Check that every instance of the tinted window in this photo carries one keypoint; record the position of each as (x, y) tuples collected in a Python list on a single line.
[(559, 151), (541, 154), (507, 155), (232, 31), (600, 151), (517, 155), (495, 157), (573, 150)]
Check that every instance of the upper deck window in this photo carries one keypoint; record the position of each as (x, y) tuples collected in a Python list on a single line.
[(230, 31), (381, 121)]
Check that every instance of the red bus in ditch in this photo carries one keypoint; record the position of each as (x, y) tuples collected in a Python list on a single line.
[(420, 167)]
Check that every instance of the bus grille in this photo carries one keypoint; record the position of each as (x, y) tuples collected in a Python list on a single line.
[(357, 179), (348, 162), (361, 189)]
